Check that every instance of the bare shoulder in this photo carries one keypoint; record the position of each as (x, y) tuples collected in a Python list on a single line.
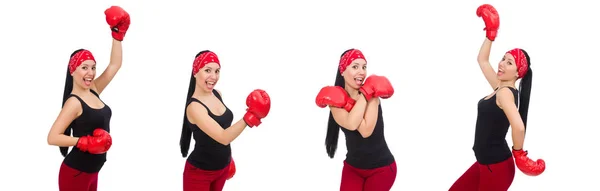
[(505, 96), (72, 106), (194, 111), (505, 93)]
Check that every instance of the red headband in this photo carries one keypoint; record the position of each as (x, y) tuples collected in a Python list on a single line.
[(204, 59), (521, 61), (349, 57), (79, 58)]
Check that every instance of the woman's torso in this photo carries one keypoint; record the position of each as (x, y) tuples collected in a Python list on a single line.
[(91, 118), (490, 144), (208, 154), (371, 152)]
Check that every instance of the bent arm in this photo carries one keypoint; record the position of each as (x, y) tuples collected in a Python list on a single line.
[(350, 120), (199, 115), (507, 103), (371, 114), (70, 111), (484, 63), (116, 59)]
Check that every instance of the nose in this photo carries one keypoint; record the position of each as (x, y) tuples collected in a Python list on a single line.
[(212, 76), (362, 71)]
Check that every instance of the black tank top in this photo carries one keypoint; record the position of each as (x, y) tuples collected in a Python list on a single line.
[(89, 120), (490, 131), (209, 154), (371, 152)]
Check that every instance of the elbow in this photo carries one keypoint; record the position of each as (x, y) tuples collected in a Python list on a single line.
[(223, 141), (519, 130), (51, 140), (366, 134)]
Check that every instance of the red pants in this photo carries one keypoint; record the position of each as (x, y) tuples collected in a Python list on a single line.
[(493, 177), (195, 179), (70, 179), (378, 179)]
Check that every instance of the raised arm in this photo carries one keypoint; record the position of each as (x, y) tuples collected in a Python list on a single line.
[(198, 115), (118, 21), (70, 111), (492, 23), (116, 59), (484, 63)]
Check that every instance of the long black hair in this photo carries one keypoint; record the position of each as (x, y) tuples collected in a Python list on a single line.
[(66, 94), (186, 132), (525, 91), (333, 128)]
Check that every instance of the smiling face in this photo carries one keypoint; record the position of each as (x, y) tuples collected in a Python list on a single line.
[(507, 68), (208, 76), (355, 73), (84, 74)]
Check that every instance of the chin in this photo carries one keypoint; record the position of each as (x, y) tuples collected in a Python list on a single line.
[(206, 89)]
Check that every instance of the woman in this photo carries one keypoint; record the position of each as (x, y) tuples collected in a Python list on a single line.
[(355, 107), (85, 113), (209, 120), (495, 167)]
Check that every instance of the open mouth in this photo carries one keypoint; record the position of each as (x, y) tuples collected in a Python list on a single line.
[(359, 81), (500, 72), (210, 85), (87, 81)]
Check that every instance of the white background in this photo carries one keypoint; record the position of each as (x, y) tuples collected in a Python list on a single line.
[(427, 49)]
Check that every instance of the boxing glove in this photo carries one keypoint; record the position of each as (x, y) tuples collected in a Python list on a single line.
[(528, 166), (231, 171), (377, 86), (491, 19), (118, 20), (98, 143), (259, 104), (334, 96)]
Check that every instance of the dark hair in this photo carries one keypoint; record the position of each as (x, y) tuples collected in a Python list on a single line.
[(333, 128), (525, 91), (66, 94), (186, 132)]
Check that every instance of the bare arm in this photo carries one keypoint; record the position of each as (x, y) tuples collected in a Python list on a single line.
[(70, 111), (484, 63), (507, 103), (350, 120), (366, 128), (116, 59), (199, 115)]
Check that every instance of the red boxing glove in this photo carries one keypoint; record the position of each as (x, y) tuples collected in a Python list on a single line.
[(377, 86), (528, 166), (259, 104), (97, 143), (231, 171), (334, 96), (118, 20), (491, 20)]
